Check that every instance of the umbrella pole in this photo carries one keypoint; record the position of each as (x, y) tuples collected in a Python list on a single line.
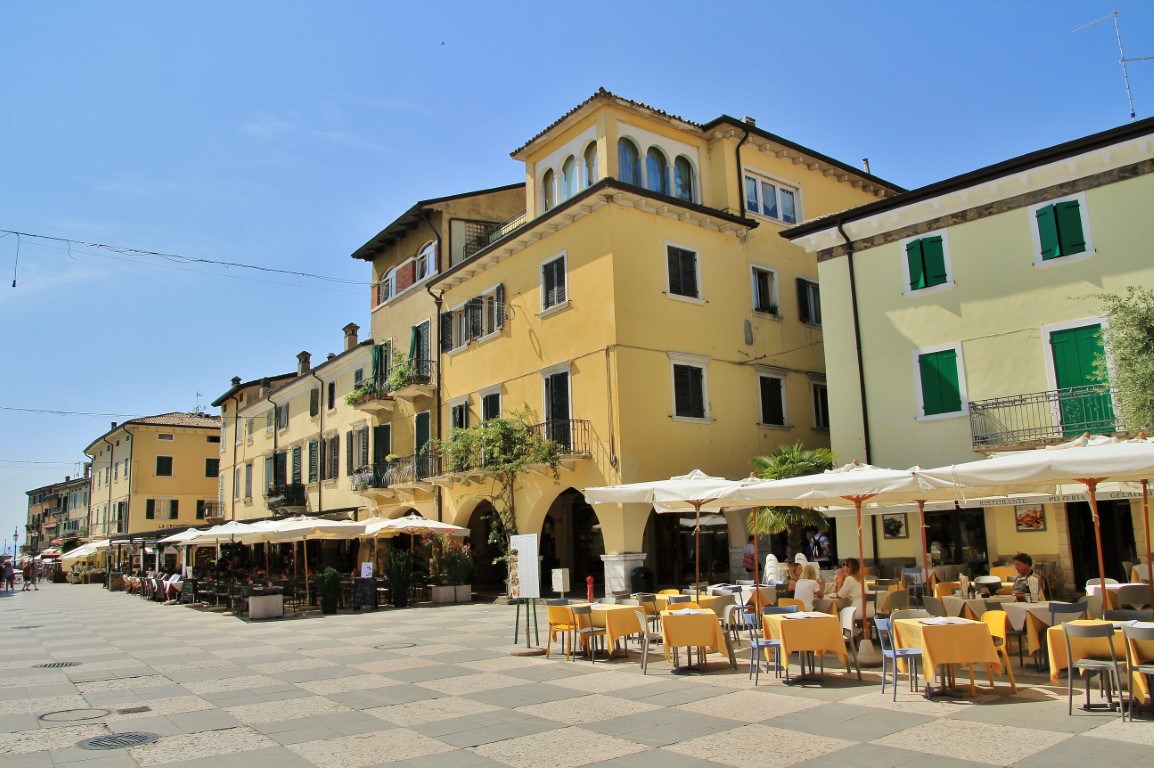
[(1092, 488), (1146, 526), (697, 548), (925, 552), (861, 559), (305, 552)]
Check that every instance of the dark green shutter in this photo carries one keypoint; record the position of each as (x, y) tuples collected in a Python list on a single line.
[(933, 261), (296, 464), (917, 269), (312, 461), (350, 459), (688, 392), (473, 312), (501, 305), (199, 509), (174, 509), (446, 333), (382, 444), (364, 446), (1048, 232), (314, 402), (421, 437), (1071, 239), (269, 476), (803, 309), (941, 392), (413, 335), (150, 508)]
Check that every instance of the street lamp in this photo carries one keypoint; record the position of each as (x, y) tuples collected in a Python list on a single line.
[(15, 538)]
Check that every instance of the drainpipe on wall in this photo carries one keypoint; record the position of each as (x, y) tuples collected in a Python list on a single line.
[(268, 397), (235, 441), (865, 418), (128, 495), (435, 342), (111, 457)]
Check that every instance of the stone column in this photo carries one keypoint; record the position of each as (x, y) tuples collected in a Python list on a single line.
[(618, 568)]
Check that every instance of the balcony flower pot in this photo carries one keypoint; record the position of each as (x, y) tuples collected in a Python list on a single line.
[(329, 589)]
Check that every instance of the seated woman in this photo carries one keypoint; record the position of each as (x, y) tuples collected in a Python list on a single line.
[(809, 586), (848, 584)]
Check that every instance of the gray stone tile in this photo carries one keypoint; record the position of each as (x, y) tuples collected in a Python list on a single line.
[(1082, 751), (658, 758), (847, 721), (521, 695), (394, 694), (487, 734), (430, 672), (661, 727), (876, 756), (460, 758)]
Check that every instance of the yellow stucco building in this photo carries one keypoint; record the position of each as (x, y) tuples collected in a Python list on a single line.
[(154, 473), (646, 311), (961, 318)]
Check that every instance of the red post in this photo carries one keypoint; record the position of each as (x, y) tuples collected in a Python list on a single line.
[(589, 588)]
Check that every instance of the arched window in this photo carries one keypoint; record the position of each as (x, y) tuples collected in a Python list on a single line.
[(656, 171), (547, 190), (628, 162), (683, 179), (569, 178), (589, 163), (426, 260)]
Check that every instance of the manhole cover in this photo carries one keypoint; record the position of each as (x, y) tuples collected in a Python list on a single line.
[(118, 741), (56, 665), (73, 715), (29, 626), (133, 710), (394, 646)]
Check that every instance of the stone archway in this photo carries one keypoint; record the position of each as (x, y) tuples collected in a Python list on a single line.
[(487, 575), (570, 537)]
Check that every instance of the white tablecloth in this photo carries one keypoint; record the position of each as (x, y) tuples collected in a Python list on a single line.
[(1016, 613), (1093, 589)]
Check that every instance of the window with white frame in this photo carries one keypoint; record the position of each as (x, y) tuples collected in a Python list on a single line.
[(589, 164), (548, 195), (477, 318), (690, 391), (682, 268), (940, 381), (459, 415), (282, 416), (927, 261), (628, 162), (772, 391), (554, 283), (763, 282), (490, 405), (656, 171), (820, 396), (569, 180), (808, 301), (236, 483), (1061, 228), (165, 436), (426, 261), (388, 286), (771, 198)]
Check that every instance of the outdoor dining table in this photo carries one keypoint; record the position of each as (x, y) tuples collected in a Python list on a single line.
[(1095, 588), (1031, 618), (702, 601), (618, 620), (970, 607), (694, 628), (1082, 647), (949, 641), (806, 632)]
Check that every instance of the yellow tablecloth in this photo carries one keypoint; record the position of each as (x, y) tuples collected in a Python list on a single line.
[(694, 630), (1081, 647), (811, 634), (618, 620), (966, 643), (702, 602)]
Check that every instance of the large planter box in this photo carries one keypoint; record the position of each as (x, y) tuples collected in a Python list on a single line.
[(444, 594), (464, 593)]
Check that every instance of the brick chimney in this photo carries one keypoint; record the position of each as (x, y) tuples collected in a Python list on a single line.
[(235, 382), (350, 335), (304, 363)]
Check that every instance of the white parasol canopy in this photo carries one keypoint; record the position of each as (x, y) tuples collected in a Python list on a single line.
[(680, 493), (181, 538), (301, 528), (412, 524), (233, 530), (1090, 461)]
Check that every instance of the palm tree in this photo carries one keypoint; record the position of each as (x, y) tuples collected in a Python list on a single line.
[(790, 461)]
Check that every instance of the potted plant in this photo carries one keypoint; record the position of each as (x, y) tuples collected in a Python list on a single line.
[(329, 589), (366, 389), (458, 566), (398, 569), (400, 374)]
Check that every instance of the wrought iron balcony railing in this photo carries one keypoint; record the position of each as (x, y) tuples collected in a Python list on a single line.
[(573, 435), (287, 495), (480, 235), (1044, 417)]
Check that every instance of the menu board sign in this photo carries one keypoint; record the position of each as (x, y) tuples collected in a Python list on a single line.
[(524, 574)]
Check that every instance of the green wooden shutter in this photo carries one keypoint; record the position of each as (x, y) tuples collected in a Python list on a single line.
[(933, 261), (314, 402), (1048, 232), (501, 305), (771, 410), (689, 400), (296, 464), (350, 458), (150, 508), (446, 330), (673, 261), (174, 509), (312, 461), (382, 445), (941, 392), (1071, 239), (917, 269), (364, 446), (413, 342)]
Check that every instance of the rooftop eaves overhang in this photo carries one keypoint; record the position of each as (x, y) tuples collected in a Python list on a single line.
[(605, 192), (254, 383), (971, 191), (726, 127), (412, 218), (296, 379)]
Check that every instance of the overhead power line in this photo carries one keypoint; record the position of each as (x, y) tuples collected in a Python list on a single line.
[(57, 412), (175, 257)]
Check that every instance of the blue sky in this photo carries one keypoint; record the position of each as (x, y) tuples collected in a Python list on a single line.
[(286, 134)]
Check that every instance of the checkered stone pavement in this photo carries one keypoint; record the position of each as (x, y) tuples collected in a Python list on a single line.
[(437, 686)]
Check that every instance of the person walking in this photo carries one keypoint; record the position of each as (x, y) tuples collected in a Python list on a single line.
[(9, 576), (35, 575), (26, 572)]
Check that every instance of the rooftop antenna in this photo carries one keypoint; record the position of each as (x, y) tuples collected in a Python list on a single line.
[(1121, 56), (198, 408)]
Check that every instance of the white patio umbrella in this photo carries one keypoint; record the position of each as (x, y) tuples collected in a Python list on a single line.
[(411, 524), (182, 537), (1088, 460), (304, 528), (694, 490), (855, 483)]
